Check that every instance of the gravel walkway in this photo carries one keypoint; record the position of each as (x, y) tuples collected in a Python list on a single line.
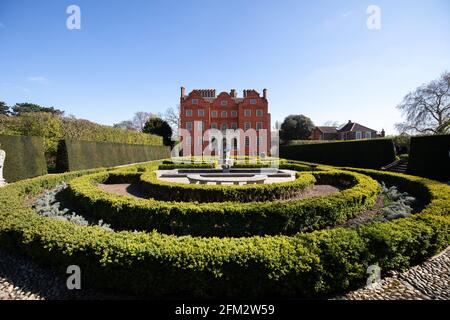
[(22, 279), (427, 281)]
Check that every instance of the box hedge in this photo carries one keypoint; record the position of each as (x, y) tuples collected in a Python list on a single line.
[(24, 157), (430, 157), (371, 154), (79, 155), (168, 191), (224, 218), (315, 264)]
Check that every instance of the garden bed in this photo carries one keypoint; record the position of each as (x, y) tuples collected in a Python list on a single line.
[(153, 264)]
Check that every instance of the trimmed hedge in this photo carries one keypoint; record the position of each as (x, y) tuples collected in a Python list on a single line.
[(371, 154), (430, 157), (157, 265), (224, 218), (171, 166), (168, 191), (24, 157), (79, 155)]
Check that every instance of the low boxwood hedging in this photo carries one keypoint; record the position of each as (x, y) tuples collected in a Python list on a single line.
[(168, 191), (156, 265), (372, 153), (24, 157), (79, 155), (226, 218), (170, 166)]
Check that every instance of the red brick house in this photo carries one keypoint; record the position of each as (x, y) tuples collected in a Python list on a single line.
[(202, 109), (349, 131)]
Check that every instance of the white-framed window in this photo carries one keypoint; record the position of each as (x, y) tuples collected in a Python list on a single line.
[(224, 114), (259, 125), (194, 101), (247, 125), (201, 112), (224, 126), (259, 112), (247, 112), (223, 103), (234, 114), (358, 135), (188, 112), (199, 125), (234, 125), (367, 135), (214, 114), (213, 125), (247, 141), (252, 101), (188, 141), (199, 141), (189, 125)]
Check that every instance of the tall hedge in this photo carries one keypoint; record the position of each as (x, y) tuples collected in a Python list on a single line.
[(24, 157), (78, 154), (370, 154), (430, 157)]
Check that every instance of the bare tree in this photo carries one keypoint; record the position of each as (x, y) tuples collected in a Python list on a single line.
[(127, 124), (277, 125), (331, 123), (172, 116), (427, 109), (140, 118)]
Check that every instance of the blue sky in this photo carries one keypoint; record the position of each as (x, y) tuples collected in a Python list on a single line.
[(317, 58)]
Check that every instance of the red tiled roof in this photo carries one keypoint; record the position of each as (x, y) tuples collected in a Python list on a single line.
[(353, 126)]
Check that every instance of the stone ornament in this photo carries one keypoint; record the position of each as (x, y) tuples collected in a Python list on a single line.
[(2, 161)]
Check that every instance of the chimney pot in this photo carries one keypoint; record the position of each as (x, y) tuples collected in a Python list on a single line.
[(183, 91), (265, 93)]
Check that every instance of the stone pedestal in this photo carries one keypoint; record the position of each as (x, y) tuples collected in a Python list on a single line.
[(2, 161)]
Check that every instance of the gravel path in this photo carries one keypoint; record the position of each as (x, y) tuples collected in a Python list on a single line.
[(22, 279), (133, 190), (427, 281)]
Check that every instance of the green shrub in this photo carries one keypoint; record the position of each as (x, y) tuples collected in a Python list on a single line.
[(156, 265), (77, 155), (168, 191), (372, 154), (171, 166), (24, 157), (226, 218), (53, 128), (429, 157)]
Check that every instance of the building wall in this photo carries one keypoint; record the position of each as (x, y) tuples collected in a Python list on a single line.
[(219, 115)]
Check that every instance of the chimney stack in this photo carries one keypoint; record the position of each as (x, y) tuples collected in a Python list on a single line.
[(383, 133), (183, 91), (233, 93), (265, 93)]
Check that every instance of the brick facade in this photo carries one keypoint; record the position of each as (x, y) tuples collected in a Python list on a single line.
[(203, 109)]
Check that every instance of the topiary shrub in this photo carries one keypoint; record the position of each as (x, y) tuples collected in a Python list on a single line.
[(80, 155), (24, 157)]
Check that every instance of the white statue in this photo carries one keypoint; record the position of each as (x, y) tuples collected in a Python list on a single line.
[(2, 161)]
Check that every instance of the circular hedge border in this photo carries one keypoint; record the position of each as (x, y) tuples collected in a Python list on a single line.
[(153, 264), (183, 192), (225, 218)]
